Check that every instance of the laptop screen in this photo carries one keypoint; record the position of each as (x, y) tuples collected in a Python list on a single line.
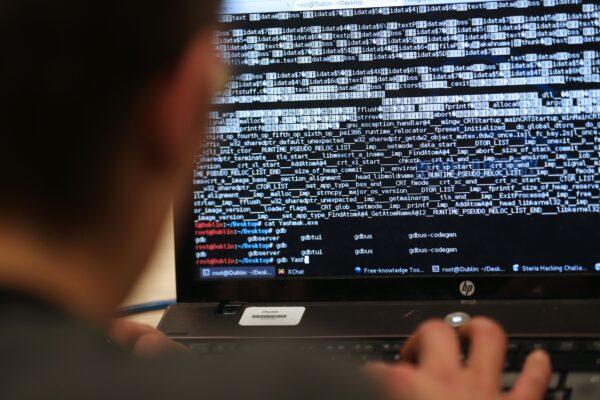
[(392, 138)]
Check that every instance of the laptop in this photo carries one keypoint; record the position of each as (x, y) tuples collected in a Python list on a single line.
[(376, 163)]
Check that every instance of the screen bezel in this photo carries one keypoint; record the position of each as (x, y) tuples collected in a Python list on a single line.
[(507, 287)]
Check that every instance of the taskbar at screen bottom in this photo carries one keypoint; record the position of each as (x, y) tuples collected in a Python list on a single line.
[(270, 272)]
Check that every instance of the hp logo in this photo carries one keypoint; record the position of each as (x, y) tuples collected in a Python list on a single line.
[(467, 288)]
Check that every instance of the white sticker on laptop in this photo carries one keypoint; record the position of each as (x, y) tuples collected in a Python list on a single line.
[(272, 316)]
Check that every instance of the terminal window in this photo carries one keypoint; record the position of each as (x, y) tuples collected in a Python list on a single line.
[(438, 138)]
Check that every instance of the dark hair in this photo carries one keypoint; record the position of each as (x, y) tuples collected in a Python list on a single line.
[(70, 73)]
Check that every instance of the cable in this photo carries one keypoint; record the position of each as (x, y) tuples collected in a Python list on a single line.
[(145, 307)]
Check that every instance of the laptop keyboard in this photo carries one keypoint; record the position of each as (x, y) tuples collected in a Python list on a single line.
[(576, 362)]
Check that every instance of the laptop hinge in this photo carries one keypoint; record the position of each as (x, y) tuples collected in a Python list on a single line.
[(230, 308)]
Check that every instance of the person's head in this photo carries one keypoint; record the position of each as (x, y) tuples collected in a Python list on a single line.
[(102, 108)]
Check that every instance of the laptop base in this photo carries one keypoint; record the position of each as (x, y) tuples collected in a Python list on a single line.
[(520, 318)]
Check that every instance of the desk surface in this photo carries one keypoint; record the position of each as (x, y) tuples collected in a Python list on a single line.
[(158, 282)]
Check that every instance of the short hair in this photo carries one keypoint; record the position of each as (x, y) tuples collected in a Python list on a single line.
[(70, 74)]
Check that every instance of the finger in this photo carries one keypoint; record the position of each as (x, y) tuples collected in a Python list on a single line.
[(535, 378), (399, 382), (435, 347), (487, 352), (154, 344), (127, 333)]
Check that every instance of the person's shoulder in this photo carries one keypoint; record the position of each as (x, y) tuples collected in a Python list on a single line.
[(46, 355), (49, 357)]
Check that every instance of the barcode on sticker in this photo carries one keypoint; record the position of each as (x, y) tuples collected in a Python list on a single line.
[(272, 316)]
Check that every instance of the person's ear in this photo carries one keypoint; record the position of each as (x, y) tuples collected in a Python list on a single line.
[(181, 102)]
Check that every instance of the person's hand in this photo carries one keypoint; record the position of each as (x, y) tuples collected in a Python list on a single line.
[(143, 340), (434, 369)]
